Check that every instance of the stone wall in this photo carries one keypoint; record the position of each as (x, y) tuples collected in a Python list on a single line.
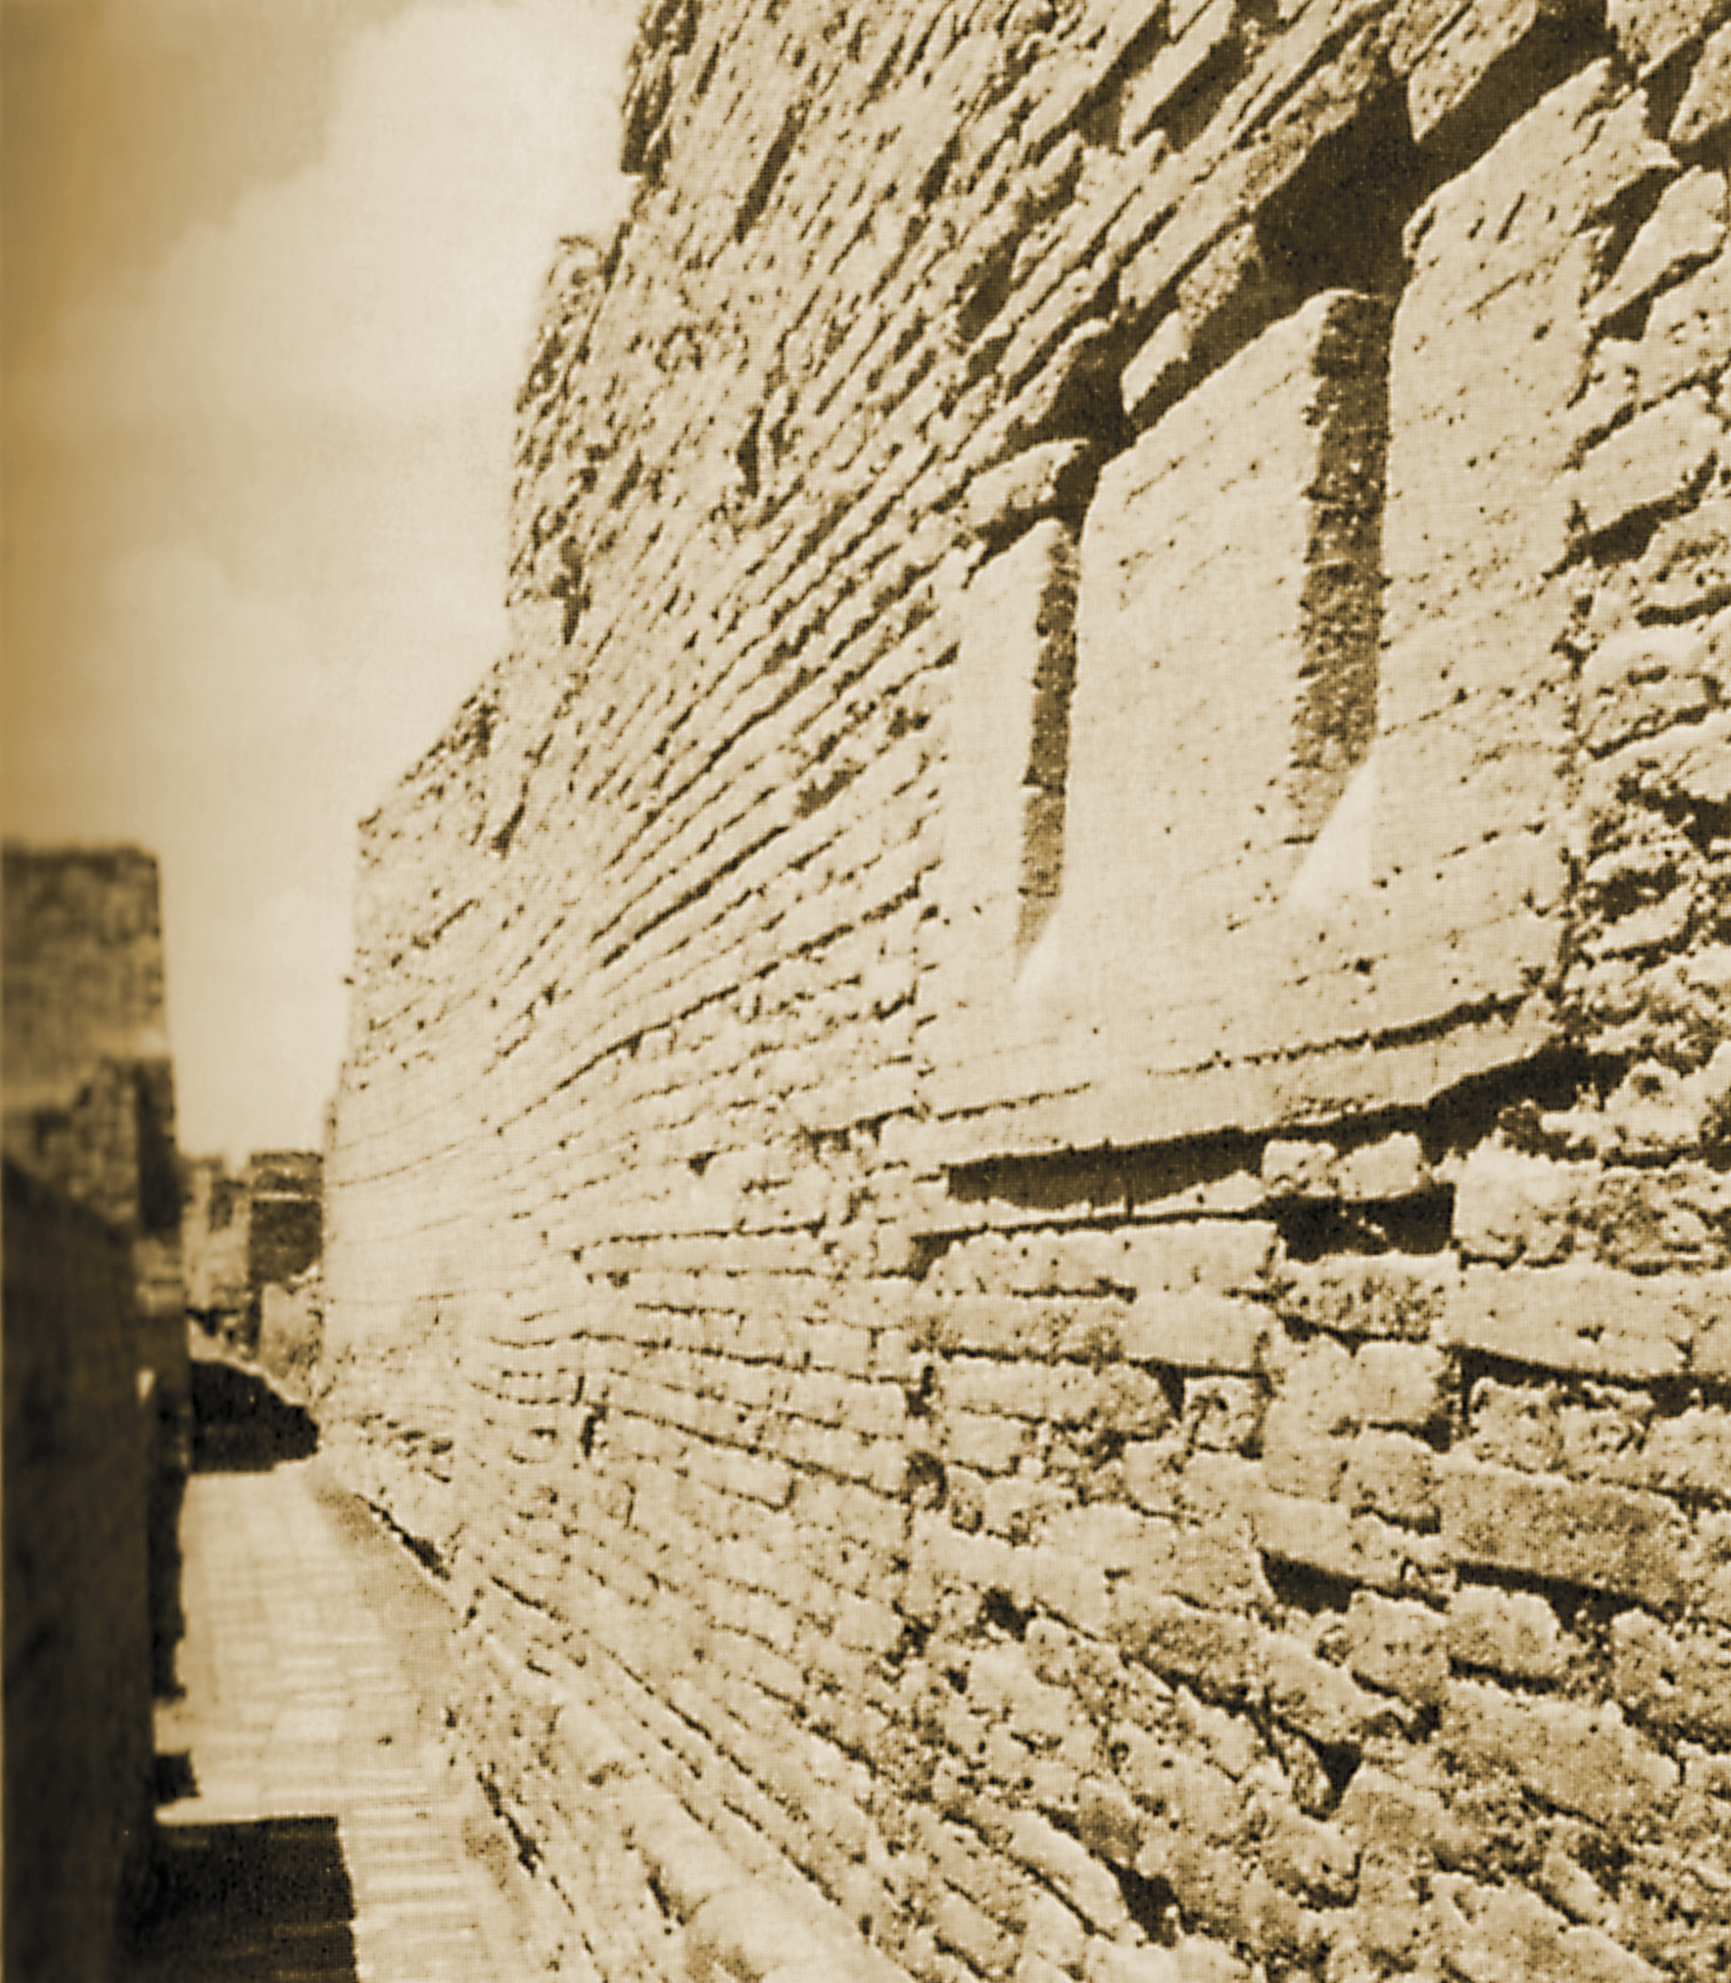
[(214, 1227), (89, 1111), (1030, 1190), (285, 1216), (79, 1746), (248, 1242), (89, 1083)]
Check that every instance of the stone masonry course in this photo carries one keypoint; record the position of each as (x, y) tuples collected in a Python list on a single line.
[(1031, 1197)]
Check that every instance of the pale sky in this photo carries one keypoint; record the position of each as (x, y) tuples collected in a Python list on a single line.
[(272, 275)]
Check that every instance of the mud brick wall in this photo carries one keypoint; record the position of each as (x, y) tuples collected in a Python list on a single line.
[(89, 1112), (215, 1216), (1030, 1193), (89, 1083), (79, 1746), (285, 1217)]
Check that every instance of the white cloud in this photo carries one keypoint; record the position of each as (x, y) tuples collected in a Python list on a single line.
[(402, 271)]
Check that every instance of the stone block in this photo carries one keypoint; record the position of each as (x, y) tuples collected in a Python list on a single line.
[(1298, 1167), (1393, 1167), (1382, 1295), (1159, 373), (1329, 1537), (1040, 482), (1508, 1632), (1393, 1475), (1069, 1867), (1469, 52), (1503, 1934), (1405, 1385), (1706, 106), (1302, 1455), (1687, 227), (1608, 1539), (1207, 1882), (1053, 1934), (1651, 31), (1230, 297), (1399, 1648), (1580, 1759), (1659, 458), (971, 1932), (1195, 42), (1684, 342), (1213, 1651), (1195, 1330), (1689, 1454), (1391, 1818), (1321, 1701), (1678, 1683), (1308, 1855), (1222, 1256), (1588, 1319)]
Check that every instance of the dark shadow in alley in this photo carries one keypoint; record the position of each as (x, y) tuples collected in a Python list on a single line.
[(241, 1424), (175, 1776), (266, 1899)]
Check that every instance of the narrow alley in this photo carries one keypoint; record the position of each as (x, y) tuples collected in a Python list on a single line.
[(308, 1826)]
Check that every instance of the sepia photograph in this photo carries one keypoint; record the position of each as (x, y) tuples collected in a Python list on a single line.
[(866, 990)]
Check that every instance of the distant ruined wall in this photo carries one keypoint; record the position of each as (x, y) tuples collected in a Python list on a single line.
[(215, 1218), (79, 1746), (88, 1087), (1032, 1192), (88, 1081)]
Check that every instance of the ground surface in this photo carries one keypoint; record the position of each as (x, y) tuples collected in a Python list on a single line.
[(311, 1827)]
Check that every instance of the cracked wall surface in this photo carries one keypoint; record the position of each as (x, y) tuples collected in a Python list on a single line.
[(1030, 1197)]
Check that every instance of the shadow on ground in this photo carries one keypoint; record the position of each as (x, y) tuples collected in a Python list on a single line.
[(270, 1898), (242, 1425)]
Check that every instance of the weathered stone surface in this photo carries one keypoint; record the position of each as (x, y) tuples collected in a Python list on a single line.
[(1610, 1540), (1006, 1431), (1386, 1815), (1014, 671), (1195, 1330), (1402, 1384), (1671, 1681), (1381, 1295), (1574, 1318), (1509, 1632), (1653, 461), (1706, 106), (1578, 1759), (1652, 31), (1687, 227), (1140, 685), (1510, 1205), (1398, 1648), (1504, 1937), (1159, 372), (1032, 485), (1684, 342), (1447, 66), (1643, 681)]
